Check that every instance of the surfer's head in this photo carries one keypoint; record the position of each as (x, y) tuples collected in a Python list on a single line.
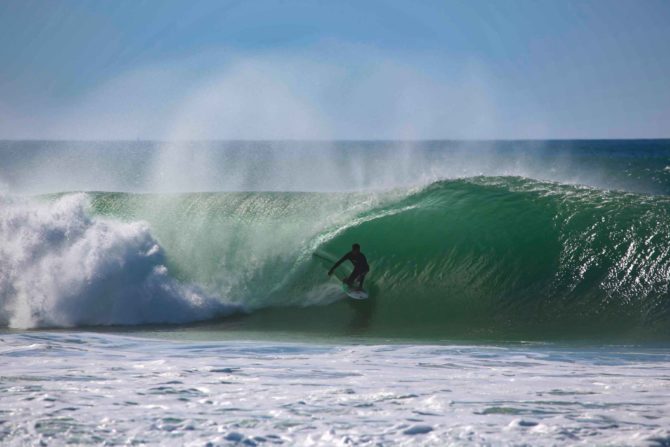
[(355, 248)]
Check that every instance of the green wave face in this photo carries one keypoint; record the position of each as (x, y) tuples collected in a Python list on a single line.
[(487, 257)]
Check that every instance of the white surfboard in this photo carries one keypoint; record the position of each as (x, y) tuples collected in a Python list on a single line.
[(355, 294)]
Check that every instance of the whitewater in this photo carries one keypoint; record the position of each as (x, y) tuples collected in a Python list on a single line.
[(168, 293)]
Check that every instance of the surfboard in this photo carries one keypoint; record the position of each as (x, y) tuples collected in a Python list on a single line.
[(355, 294)]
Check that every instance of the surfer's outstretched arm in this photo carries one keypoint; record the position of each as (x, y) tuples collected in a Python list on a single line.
[(337, 264)]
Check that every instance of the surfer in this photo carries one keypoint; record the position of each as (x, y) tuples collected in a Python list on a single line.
[(361, 267)]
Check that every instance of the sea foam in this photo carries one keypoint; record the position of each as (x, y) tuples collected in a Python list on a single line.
[(61, 267)]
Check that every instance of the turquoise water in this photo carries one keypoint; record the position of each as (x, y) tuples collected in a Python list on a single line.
[(549, 240), (484, 257), (169, 293)]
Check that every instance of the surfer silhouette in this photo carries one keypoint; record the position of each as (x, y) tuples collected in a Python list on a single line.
[(361, 267)]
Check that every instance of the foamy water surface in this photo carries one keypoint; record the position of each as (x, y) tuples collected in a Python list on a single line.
[(108, 389)]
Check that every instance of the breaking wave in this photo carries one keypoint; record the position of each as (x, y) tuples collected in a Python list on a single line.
[(486, 255)]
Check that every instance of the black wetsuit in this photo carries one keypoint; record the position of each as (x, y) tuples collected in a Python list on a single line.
[(361, 267)]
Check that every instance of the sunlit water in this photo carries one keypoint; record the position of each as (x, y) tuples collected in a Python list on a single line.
[(471, 245), (85, 388)]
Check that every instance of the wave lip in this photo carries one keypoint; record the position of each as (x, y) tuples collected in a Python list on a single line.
[(60, 267)]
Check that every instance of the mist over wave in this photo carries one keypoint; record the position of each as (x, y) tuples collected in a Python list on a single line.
[(35, 167)]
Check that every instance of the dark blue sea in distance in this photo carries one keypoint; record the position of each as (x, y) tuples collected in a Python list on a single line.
[(169, 292)]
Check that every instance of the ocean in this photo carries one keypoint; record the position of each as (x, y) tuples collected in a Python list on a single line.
[(168, 293)]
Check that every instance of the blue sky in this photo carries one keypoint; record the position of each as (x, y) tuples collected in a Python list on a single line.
[(334, 69)]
